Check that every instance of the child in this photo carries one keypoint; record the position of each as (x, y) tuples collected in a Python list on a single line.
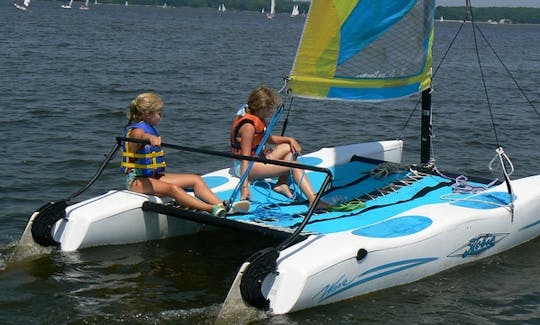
[(144, 165), (246, 134)]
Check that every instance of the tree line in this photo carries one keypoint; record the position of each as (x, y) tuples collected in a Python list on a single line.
[(515, 15)]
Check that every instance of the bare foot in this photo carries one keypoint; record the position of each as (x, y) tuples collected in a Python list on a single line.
[(283, 189), (322, 206)]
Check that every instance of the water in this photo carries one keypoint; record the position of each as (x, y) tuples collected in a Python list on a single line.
[(66, 79)]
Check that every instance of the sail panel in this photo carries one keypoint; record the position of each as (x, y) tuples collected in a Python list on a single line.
[(367, 50)]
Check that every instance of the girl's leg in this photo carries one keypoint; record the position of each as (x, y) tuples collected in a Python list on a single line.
[(194, 181), (283, 152), (157, 187)]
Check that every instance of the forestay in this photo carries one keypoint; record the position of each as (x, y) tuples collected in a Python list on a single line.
[(367, 50)]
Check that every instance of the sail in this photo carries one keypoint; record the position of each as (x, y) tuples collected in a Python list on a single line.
[(273, 7), (366, 50), (295, 12)]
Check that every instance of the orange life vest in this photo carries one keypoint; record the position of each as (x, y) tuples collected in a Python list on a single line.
[(260, 128)]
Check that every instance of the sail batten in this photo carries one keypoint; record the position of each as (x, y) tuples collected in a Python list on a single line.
[(367, 50)]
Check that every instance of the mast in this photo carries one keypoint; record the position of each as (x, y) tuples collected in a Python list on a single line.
[(426, 127)]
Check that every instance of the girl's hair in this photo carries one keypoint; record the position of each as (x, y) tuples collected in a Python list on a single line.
[(262, 99), (144, 103)]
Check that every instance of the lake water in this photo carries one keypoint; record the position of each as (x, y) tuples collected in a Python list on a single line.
[(67, 77)]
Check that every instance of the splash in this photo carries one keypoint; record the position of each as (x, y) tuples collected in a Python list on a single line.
[(234, 310), (26, 247)]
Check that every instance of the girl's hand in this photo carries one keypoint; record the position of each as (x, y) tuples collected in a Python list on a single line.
[(155, 141), (295, 146)]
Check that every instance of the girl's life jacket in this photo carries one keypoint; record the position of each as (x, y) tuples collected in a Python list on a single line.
[(148, 161), (260, 128)]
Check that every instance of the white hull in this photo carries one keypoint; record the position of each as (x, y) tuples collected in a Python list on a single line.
[(324, 268), (20, 7), (117, 216), (397, 237)]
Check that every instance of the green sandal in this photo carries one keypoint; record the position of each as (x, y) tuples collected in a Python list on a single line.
[(348, 206)]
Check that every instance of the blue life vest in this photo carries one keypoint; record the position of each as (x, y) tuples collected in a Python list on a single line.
[(148, 161)]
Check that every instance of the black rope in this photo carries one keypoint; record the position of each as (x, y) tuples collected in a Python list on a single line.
[(287, 117), (508, 71), (482, 76), (108, 158)]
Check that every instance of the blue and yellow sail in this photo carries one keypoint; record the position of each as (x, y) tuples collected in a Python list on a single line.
[(367, 50)]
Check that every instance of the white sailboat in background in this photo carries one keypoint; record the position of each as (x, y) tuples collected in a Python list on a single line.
[(126, 3), (24, 6), (222, 8), (85, 6), (68, 5), (295, 12), (272, 12)]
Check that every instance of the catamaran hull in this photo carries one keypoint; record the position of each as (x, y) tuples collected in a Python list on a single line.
[(118, 217), (328, 268)]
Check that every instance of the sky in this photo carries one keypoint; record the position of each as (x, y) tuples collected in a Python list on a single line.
[(492, 3)]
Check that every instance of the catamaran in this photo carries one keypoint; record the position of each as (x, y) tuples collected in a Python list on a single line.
[(85, 6), (24, 6), (295, 12), (272, 12), (67, 5), (389, 223)]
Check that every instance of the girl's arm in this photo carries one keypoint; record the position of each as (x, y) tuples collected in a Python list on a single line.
[(141, 135)]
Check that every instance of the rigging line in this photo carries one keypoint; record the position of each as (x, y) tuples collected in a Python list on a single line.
[(482, 76), (284, 127), (499, 150), (508, 71)]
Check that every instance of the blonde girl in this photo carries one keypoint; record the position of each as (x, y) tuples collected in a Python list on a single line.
[(144, 165)]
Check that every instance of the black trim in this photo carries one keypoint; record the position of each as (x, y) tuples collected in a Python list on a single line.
[(207, 219), (260, 265), (45, 219)]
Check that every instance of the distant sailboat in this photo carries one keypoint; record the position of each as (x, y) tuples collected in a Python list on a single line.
[(164, 5), (85, 6), (222, 8), (295, 12), (272, 12), (126, 3), (68, 5), (24, 6)]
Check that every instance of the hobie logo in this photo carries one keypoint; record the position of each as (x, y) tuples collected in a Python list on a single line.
[(478, 245)]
